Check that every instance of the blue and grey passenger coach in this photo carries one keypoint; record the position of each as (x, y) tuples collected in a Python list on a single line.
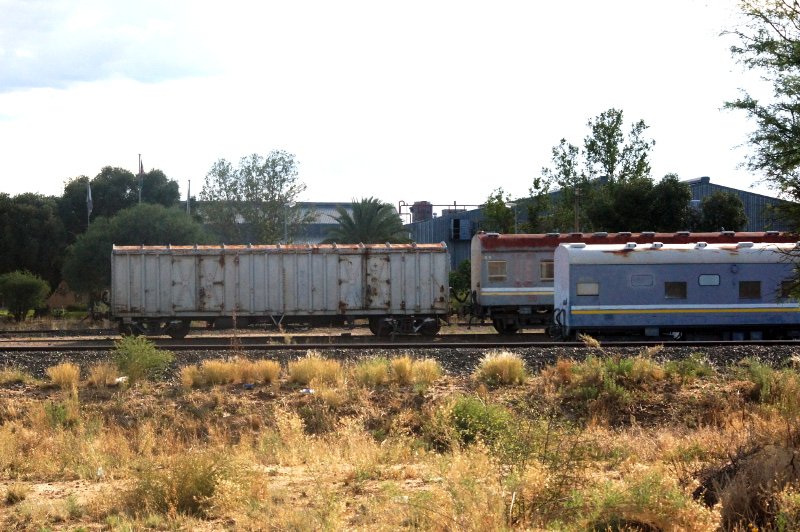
[(730, 291), (512, 275)]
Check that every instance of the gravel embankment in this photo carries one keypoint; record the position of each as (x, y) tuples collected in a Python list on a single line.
[(454, 361)]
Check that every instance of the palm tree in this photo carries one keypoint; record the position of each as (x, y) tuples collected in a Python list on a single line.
[(372, 222)]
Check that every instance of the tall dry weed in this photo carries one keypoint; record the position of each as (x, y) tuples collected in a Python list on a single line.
[(65, 375), (501, 368), (313, 367)]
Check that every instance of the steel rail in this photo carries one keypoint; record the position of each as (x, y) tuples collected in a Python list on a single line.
[(320, 342)]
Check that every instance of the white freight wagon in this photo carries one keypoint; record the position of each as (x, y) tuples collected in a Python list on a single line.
[(397, 287)]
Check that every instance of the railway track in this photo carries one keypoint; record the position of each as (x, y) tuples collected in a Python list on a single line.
[(351, 341)]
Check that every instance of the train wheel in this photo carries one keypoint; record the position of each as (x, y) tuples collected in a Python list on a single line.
[(178, 330), (379, 326), (430, 327), (505, 328)]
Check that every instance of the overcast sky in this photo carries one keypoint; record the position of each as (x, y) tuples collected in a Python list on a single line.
[(431, 100)]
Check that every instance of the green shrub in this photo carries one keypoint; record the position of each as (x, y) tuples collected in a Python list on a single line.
[(138, 358), (696, 366), (23, 291), (476, 420)]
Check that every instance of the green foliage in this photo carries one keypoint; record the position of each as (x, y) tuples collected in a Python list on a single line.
[(88, 268), (722, 211), (372, 222), (32, 237), (475, 420), (779, 388), (262, 191), (138, 358), (460, 279), (63, 414), (498, 215), (647, 501), (113, 190), (606, 185), (696, 366), (22, 291), (769, 43), (611, 382)]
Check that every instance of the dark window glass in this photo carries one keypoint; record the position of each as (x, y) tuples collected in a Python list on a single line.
[(675, 290), (749, 289)]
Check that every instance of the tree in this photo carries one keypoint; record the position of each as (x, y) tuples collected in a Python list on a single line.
[(670, 204), (372, 222), (256, 201), (23, 291), (32, 237), (600, 186), (113, 189), (769, 42), (498, 215), (87, 267), (722, 211)]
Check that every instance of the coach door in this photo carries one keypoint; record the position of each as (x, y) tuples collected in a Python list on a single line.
[(211, 293), (350, 283), (378, 282), (184, 283)]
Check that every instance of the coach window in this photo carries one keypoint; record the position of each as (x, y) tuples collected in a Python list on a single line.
[(546, 270), (749, 289), (641, 280), (786, 289), (497, 271), (675, 290), (708, 280), (587, 289)]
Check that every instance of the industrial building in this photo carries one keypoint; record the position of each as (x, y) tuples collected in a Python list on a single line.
[(456, 224)]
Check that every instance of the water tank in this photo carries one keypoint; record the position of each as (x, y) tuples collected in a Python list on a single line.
[(421, 211)]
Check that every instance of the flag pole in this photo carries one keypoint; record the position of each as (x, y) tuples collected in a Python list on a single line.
[(141, 175)]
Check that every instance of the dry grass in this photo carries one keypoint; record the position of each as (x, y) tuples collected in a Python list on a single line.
[(14, 375), (317, 370), (375, 449), (65, 375), (231, 371), (501, 368), (102, 374)]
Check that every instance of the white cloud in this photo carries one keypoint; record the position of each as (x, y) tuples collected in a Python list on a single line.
[(441, 101)]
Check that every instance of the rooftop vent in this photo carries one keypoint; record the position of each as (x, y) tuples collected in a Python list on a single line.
[(657, 245), (630, 245), (701, 245), (744, 245), (579, 245)]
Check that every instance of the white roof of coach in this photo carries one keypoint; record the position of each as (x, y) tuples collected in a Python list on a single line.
[(658, 253)]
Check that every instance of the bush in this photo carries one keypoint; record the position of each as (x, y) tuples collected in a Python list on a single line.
[(64, 375), (186, 484), (138, 358), (313, 367), (689, 369), (476, 420), (102, 374), (23, 291), (372, 372), (501, 368)]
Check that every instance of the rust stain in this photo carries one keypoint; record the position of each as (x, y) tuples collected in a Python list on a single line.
[(550, 240)]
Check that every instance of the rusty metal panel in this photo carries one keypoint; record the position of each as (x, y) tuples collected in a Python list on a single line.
[(159, 281)]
